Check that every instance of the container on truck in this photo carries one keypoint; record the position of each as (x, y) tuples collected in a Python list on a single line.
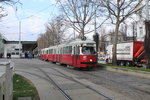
[(128, 53)]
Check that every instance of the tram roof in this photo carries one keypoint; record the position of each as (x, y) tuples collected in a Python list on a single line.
[(74, 42), (79, 41)]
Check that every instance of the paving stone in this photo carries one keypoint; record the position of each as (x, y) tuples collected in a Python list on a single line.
[(71, 86), (24, 98)]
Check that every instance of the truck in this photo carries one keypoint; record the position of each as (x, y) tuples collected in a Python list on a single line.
[(128, 53)]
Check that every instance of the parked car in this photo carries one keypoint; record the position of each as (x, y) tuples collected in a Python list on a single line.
[(101, 57)]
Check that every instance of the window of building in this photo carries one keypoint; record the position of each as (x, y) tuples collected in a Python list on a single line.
[(141, 30)]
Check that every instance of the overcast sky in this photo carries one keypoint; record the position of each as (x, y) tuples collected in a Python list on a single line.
[(33, 15)]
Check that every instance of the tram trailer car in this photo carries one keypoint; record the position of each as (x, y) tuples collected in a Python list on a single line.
[(128, 54), (78, 53), (43, 54)]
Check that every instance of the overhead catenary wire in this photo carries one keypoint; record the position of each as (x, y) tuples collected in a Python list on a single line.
[(30, 16)]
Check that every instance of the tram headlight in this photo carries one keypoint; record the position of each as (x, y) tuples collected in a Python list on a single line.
[(91, 60)]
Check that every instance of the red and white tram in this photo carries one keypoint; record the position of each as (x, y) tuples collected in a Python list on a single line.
[(78, 53)]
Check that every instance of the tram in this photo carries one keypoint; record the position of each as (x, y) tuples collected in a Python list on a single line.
[(78, 53)]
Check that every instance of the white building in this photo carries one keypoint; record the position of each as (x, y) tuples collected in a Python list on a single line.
[(12, 48), (140, 31), (141, 17)]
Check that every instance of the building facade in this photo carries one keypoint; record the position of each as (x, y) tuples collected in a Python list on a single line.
[(12, 49), (142, 16)]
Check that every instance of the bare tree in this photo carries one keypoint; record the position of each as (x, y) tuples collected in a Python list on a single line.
[(40, 41), (80, 13), (134, 32), (54, 33), (102, 40), (119, 11), (56, 30), (123, 30), (8, 2)]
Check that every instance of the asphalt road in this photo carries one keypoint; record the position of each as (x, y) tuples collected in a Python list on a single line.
[(80, 84)]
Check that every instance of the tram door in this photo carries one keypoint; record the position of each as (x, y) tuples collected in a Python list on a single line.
[(76, 57)]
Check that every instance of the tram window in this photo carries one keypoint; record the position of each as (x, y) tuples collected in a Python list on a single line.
[(51, 51), (70, 50), (17, 53), (13, 53), (66, 50), (58, 51), (88, 50), (54, 51), (63, 50), (77, 50)]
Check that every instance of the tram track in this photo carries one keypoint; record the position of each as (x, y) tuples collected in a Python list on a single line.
[(55, 84), (70, 78), (135, 90), (50, 80), (116, 82), (90, 88)]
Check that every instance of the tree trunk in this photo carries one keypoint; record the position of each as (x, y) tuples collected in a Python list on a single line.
[(146, 44), (115, 40), (96, 39), (81, 35)]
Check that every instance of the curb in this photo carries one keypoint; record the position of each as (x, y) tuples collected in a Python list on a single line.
[(129, 72)]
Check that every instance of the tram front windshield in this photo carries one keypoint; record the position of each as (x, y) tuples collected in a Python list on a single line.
[(88, 50)]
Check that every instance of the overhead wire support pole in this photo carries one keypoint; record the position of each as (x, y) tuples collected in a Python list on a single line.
[(19, 38), (95, 27), (147, 10), (95, 20)]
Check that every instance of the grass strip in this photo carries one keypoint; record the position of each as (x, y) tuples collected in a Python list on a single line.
[(126, 67), (23, 88)]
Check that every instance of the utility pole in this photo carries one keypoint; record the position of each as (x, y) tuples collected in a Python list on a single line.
[(19, 38), (96, 35), (95, 20), (147, 10)]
